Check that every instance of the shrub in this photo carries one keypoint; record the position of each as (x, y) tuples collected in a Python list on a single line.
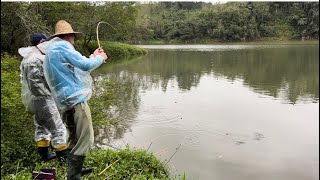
[(114, 50), (17, 127)]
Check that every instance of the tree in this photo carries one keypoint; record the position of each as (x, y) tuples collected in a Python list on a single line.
[(18, 22)]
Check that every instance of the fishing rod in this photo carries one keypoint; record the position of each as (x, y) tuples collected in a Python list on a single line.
[(97, 31)]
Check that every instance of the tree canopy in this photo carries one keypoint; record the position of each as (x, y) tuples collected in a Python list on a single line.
[(133, 22)]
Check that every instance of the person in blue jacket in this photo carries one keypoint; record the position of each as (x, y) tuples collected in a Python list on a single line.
[(68, 76)]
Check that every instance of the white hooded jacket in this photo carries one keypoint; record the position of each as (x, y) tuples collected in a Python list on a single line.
[(34, 84), (33, 81)]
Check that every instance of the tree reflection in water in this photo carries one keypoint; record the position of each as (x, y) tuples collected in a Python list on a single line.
[(116, 97), (288, 73)]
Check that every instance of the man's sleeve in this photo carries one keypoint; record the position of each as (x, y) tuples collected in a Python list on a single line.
[(76, 59)]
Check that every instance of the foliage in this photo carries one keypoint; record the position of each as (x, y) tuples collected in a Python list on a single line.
[(21, 19), (233, 21), (17, 129), (114, 50), (18, 21), (133, 22)]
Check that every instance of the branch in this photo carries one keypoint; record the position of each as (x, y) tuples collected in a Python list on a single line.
[(108, 167), (173, 154)]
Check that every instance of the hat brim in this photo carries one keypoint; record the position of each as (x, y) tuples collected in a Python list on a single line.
[(77, 34)]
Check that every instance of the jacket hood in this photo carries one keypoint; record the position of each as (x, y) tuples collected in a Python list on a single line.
[(25, 51), (45, 45)]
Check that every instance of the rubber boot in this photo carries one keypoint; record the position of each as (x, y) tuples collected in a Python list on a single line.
[(62, 156), (84, 170), (45, 155), (75, 164)]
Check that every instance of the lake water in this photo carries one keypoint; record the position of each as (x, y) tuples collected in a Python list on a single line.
[(223, 112)]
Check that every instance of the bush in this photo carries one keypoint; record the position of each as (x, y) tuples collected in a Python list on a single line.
[(114, 50), (17, 127)]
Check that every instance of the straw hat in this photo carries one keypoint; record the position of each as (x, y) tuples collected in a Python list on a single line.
[(63, 27)]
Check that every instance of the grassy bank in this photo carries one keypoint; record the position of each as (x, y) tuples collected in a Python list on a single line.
[(18, 151), (106, 164), (114, 50)]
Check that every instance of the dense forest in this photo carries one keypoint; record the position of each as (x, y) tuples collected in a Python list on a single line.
[(234, 21), (170, 22)]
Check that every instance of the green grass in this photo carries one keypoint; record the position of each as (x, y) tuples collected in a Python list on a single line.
[(17, 128), (106, 164)]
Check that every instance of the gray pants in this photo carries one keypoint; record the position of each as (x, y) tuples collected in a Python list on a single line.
[(49, 125), (79, 124)]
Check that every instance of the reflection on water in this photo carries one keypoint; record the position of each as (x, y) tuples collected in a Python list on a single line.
[(287, 73), (290, 73), (229, 107), (124, 106)]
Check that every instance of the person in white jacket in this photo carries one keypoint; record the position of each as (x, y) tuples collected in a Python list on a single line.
[(36, 97)]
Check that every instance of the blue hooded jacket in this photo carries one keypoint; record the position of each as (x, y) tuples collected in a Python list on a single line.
[(68, 73)]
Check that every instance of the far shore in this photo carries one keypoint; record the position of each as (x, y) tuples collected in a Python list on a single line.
[(261, 41)]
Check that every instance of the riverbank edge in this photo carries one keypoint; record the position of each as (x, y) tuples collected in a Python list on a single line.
[(214, 42)]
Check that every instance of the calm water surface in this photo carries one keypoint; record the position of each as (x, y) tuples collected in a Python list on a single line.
[(225, 112)]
